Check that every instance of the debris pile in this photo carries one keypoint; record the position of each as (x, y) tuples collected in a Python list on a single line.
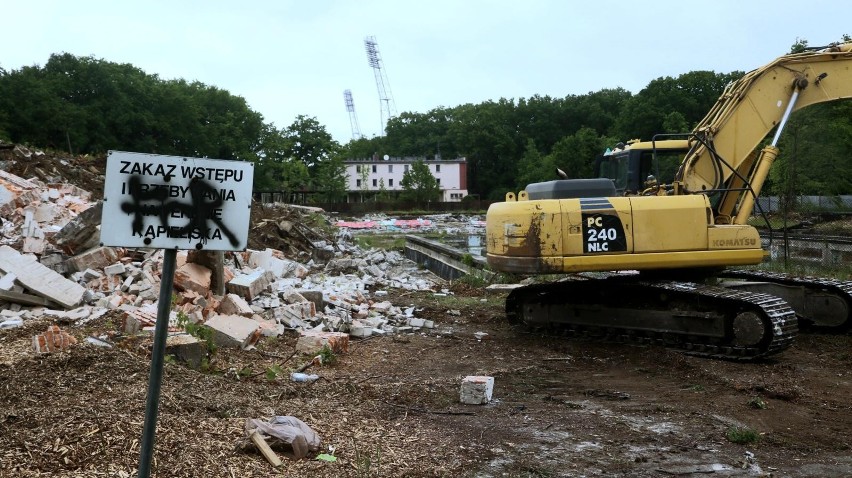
[(298, 274)]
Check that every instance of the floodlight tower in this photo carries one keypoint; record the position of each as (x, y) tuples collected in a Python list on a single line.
[(386, 105), (353, 118)]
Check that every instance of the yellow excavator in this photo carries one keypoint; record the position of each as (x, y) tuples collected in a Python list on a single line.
[(643, 261)]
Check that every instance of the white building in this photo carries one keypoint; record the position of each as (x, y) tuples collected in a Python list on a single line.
[(367, 178)]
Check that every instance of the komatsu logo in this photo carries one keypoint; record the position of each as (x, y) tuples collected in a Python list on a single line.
[(735, 242)]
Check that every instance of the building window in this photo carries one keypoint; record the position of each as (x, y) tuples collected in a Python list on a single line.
[(390, 168), (437, 168), (406, 168), (390, 182), (358, 182), (357, 168), (439, 181), (375, 182), (374, 170)]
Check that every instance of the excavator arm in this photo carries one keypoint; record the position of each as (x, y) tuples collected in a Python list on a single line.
[(723, 156)]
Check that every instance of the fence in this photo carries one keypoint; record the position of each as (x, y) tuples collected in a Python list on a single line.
[(776, 204), (807, 234)]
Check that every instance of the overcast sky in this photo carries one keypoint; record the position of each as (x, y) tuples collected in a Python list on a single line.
[(288, 58)]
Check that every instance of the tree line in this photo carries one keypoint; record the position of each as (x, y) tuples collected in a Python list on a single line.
[(88, 106)]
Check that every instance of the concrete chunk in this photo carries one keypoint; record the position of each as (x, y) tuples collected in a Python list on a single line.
[(251, 285), (115, 269), (476, 389), (80, 233), (359, 329), (232, 304), (96, 258), (39, 279), (7, 281), (193, 277), (312, 341), (234, 331), (187, 349), (294, 315)]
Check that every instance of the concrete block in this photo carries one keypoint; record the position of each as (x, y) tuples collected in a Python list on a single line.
[(7, 281), (360, 329), (312, 341), (322, 254), (314, 296), (39, 279), (381, 307), (96, 258), (34, 244), (234, 331), (376, 322), (53, 261), (80, 233), (476, 389), (46, 212), (11, 323), (130, 325), (232, 304), (251, 285), (193, 277), (265, 302), (187, 349), (267, 261), (294, 315), (269, 328), (125, 286), (291, 296), (115, 269), (90, 274)]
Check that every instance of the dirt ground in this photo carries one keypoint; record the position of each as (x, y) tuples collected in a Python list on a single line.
[(561, 407), (390, 407)]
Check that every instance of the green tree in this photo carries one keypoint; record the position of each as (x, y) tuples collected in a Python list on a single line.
[(330, 180), (533, 167), (419, 184), (575, 154), (363, 178), (420, 134), (309, 142), (383, 191), (90, 105), (691, 95)]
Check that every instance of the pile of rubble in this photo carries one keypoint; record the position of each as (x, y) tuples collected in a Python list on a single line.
[(323, 286)]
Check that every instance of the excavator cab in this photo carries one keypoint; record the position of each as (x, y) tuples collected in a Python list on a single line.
[(630, 166)]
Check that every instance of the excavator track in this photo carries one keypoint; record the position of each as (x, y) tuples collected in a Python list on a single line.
[(821, 304), (695, 318)]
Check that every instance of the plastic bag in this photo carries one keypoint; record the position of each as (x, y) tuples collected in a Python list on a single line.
[(293, 436)]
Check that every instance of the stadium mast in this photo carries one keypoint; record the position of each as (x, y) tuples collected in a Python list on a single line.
[(386, 104), (353, 118)]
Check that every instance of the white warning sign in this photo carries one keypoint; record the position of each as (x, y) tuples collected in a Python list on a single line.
[(173, 202)]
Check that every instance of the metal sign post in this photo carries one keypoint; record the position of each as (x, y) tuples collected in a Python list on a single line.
[(161, 332), (171, 203)]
